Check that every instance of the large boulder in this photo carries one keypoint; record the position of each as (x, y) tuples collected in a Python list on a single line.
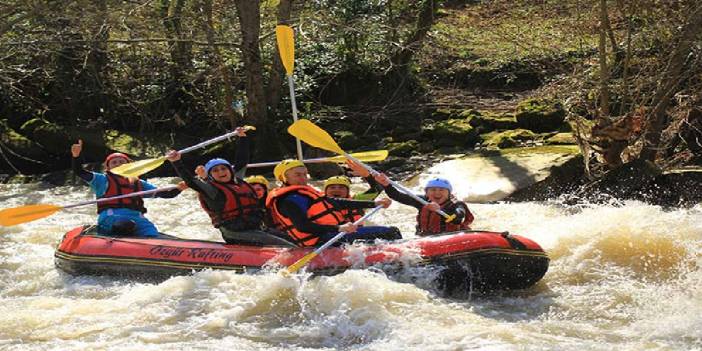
[(21, 154), (58, 139), (540, 115), (508, 138), (452, 132), (404, 149), (348, 140), (487, 122), (561, 139)]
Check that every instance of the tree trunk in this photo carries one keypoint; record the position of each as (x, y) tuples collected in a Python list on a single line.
[(402, 58), (277, 71), (604, 68), (249, 15), (225, 78), (671, 78)]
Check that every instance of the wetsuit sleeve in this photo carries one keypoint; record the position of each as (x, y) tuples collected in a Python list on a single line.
[(79, 171), (209, 191), (350, 204), (370, 194), (465, 213), (403, 198), (98, 184), (298, 216)]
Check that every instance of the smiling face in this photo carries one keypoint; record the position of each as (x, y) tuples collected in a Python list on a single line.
[(221, 173), (116, 162), (337, 190), (296, 176), (438, 195), (260, 190)]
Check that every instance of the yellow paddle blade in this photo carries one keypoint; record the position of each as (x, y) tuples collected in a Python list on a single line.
[(365, 156), (299, 264), (315, 136), (24, 214), (286, 47), (137, 168)]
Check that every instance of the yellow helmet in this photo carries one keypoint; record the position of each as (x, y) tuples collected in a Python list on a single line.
[(284, 166), (257, 179), (337, 180)]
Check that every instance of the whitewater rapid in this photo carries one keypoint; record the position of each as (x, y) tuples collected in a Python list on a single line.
[(623, 276)]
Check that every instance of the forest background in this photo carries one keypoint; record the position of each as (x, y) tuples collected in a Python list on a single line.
[(619, 78)]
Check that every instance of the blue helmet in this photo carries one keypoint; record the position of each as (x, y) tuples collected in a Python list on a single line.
[(216, 162), (439, 183)]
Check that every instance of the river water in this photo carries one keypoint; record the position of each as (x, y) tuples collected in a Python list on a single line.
[(623, 276)]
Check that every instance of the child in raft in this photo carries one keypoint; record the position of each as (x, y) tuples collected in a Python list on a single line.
[(340, 187), (437, 192), (124, 217)]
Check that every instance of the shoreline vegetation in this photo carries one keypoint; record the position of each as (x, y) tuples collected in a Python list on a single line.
[(424, 80)]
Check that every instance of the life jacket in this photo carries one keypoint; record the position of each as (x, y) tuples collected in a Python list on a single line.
[(321, 211), (430, 222), (119, 185), (352, 215), (241, 204)]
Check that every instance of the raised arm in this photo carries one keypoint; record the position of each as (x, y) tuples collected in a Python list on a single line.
[(76, 166)]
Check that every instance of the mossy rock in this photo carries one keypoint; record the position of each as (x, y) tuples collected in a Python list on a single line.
[(540, 115), (561, 139), (403, 149), (452, 132), (22, 154), (488, 122), (509, 138), (19, 144), (132, 144), (443, 114), (348, 140), (58, 139)]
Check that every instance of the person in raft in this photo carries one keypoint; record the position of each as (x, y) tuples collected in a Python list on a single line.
[(309, 217), (261, 186), (124, 217), (340, 187), (438, 193), (230, 202)]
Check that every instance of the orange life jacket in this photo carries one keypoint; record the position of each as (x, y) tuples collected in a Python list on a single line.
[(119, 185), (321, 211), (352, 215), (241, 202), (430, 222)]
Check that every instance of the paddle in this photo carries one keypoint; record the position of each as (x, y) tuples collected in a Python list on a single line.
[(316, 136), (28, 213), (137, 168), (286, 48), (307, 258), (365, 156)]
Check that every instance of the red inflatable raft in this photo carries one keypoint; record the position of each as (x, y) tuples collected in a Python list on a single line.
[(472, 260)]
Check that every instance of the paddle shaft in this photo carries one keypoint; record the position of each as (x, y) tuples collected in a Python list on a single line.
[(138, 193), (273, 163), (303, 261), (398, 186), (291, 85), (208, 142)]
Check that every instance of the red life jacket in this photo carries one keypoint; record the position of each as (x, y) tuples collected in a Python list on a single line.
[(241, 201), (430, 222), (321, 211), (118, 185)]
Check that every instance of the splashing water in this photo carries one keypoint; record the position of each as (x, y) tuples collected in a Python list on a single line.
[(625, 276)]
